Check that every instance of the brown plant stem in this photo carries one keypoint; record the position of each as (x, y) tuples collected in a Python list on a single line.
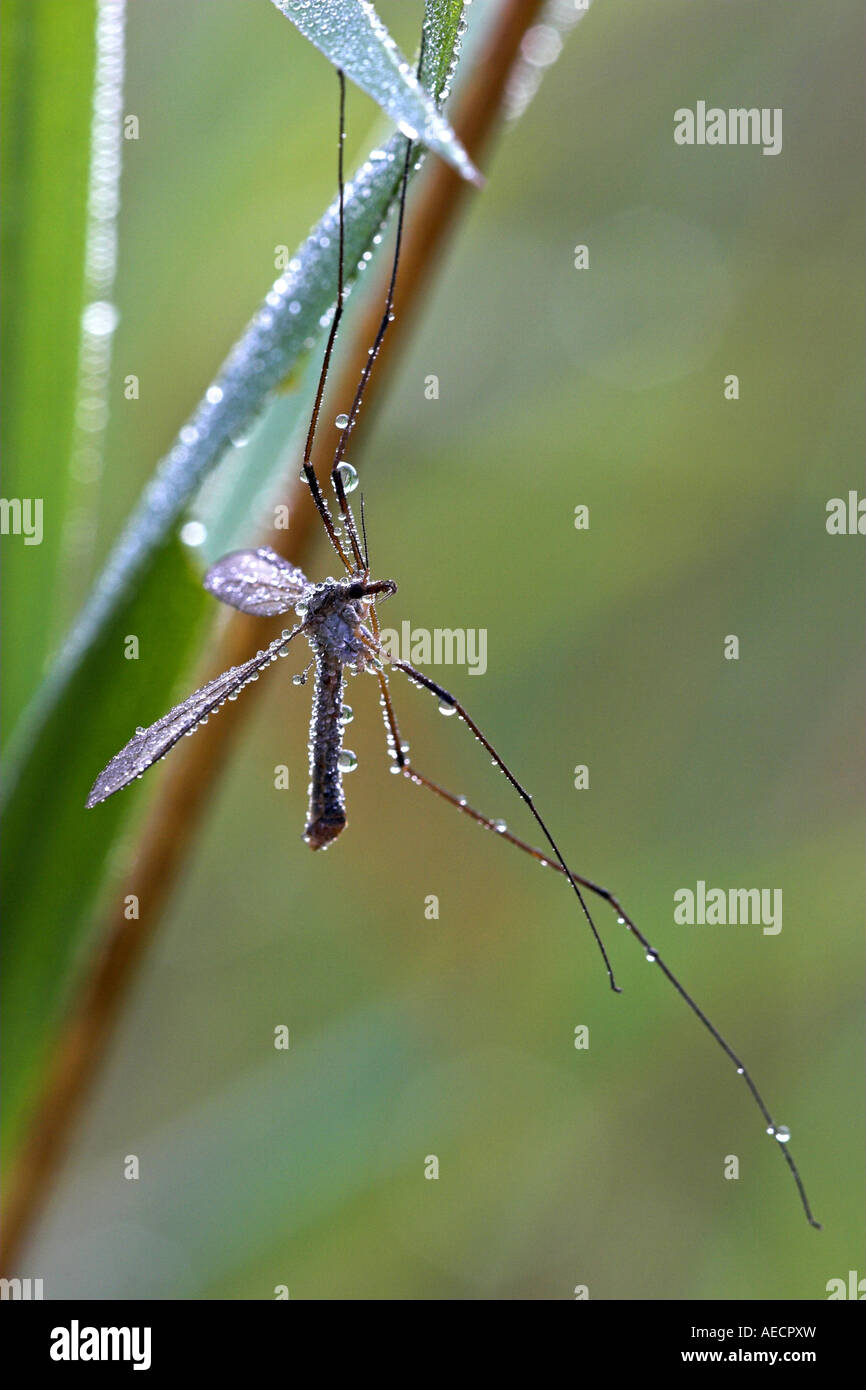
[(187, 785)]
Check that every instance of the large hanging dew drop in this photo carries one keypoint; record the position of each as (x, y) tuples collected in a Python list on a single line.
[(347, 714), (349, 476), (447, 709), (341, 421), (783, 1134), (347, 761)]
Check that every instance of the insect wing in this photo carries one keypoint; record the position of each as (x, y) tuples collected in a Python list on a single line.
[(147, 746), (256, 581)]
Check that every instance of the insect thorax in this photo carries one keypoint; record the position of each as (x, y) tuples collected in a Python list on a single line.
[(332, 625)]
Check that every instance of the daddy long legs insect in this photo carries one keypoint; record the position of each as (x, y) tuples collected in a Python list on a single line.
[(339, 621)]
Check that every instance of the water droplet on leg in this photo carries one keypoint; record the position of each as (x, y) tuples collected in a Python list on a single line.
[(349, 476)]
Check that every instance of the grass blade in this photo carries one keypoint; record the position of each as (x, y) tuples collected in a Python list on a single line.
[(352, 36), (55, 852), (47, 67)]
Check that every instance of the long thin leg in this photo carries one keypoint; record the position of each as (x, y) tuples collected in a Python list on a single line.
[(309, 471), (387, 316), (543, 857), (448, 699), (336, 475), (358, 555)]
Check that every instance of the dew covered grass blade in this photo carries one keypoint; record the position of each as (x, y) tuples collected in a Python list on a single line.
[(55, 851), (353, 37)]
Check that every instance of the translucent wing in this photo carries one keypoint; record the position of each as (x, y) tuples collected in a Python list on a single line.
[(148, 745), (256, 581)]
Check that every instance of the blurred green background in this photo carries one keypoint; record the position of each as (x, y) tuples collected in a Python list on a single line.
[(604, 387)]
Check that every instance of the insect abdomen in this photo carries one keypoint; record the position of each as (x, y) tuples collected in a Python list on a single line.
[(326, 815)]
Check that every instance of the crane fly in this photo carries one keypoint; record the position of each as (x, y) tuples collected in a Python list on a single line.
[(338, 619), (333, 621)]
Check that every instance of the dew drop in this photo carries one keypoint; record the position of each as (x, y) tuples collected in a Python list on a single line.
[(349, 476), (447, 709), (193, 533), (500, 827), (783, 1134), (347, 761), (651, 956), (341, 422), (239, 439), (740, 1071), (621, 921), (347, 714), (99, 319)]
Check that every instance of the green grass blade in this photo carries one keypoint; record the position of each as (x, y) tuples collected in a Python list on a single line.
[(54, 852), (46, 79), (353, 37)]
